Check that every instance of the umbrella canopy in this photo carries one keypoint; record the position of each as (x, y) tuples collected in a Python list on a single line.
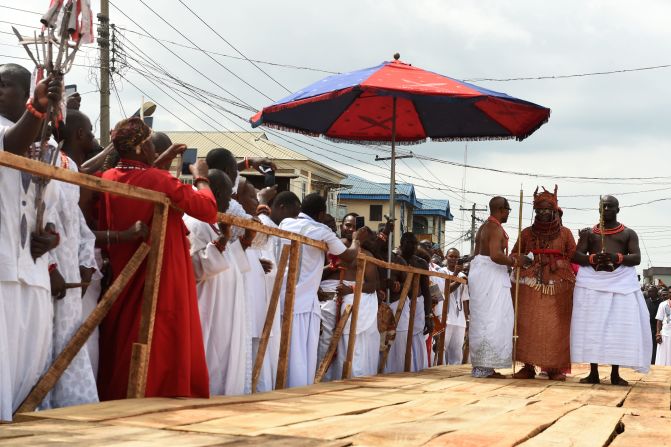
[(359, 107)]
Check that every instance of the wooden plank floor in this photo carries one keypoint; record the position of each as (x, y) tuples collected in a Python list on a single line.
[(438, 406)]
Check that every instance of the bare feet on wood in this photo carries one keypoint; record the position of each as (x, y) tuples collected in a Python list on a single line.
[(591, 379), (496, 375), (557, 376), (619, 381), (527, 372)]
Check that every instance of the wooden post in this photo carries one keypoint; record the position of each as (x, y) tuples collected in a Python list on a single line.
[(397, 317), (79, 338), (441, 339), (270, 317), (288, 315), (411, 324), (358, 289), (333, 345), (139, 364)]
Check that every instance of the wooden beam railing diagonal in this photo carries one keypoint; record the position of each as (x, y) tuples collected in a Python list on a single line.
[(142, 348)]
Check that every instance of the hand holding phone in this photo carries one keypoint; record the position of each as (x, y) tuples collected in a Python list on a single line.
[(268, 175)]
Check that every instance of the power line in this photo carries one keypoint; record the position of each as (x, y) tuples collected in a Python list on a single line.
[(299, 67), (205, 52), (566, 76), (458, 164), (231, 45), (181, 58), (147, 60)]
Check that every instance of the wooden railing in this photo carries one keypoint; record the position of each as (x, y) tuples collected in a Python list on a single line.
[(153, 252)]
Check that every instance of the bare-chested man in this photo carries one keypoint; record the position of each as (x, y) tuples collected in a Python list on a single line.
[(610, 322), (366, 349), (492, 318)]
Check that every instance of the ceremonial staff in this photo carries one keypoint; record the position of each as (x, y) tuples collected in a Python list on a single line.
[(72, 33), (517, 275)]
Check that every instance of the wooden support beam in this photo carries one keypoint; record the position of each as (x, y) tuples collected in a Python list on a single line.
[(411, 324), (139, 365), (258, 226), (441, 338), (84, 180), (356, 303), (270, 316), (79, 338), (333, 345), (397, 316), (288, 315), (408, 269)]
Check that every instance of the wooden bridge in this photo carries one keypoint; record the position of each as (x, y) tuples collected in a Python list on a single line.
[(439, 406)]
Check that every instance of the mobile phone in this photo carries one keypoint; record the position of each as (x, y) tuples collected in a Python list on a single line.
[(70, 89), (360, 222), (268, 175), (189, 157)]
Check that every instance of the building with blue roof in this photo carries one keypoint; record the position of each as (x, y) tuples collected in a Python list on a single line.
[(424, 217)]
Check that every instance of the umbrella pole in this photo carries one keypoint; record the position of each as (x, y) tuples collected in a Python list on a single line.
[(392, 192)]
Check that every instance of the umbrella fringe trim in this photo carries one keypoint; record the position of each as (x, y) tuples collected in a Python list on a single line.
[(291, 129), (374, 142), (405, 142), (447, 139), (535, 128)]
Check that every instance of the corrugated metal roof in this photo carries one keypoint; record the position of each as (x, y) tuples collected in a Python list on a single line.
[(434, 207), (363, 189), (241, 144)]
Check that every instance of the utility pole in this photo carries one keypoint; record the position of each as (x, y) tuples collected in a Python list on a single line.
[(473, 209), (104, 44), (392, 184)]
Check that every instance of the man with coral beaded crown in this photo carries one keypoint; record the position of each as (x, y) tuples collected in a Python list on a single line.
[(610, 319)]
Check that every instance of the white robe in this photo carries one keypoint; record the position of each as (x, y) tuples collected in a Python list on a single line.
[(26, 309), (663, 355), (271, 250), (77, 385), (89, 303), (492, 316), (328, 316), (223, 309), (257, 299), (367, 345), (455, 330), (396, 357), (306, 318), (610, 322)]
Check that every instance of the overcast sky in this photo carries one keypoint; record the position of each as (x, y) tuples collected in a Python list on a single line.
[(610, 125)]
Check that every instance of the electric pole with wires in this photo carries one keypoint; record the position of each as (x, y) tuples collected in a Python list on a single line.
[(104, 44), (473, 209)]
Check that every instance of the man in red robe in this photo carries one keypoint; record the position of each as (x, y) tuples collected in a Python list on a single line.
[(177, 365)]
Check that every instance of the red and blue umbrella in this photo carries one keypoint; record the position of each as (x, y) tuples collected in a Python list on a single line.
[(396, 102)]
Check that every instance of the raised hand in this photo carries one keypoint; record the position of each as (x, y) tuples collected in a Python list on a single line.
[(44, 241), (49, 89)]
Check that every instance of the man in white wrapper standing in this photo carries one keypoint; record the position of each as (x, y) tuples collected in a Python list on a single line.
[(663, 333), (367, 345), (218, 266), (76, 261), (457, 309), (610, 321), (283, 205), (26, 308), (492, 317), (307, 314), (257, 290)]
